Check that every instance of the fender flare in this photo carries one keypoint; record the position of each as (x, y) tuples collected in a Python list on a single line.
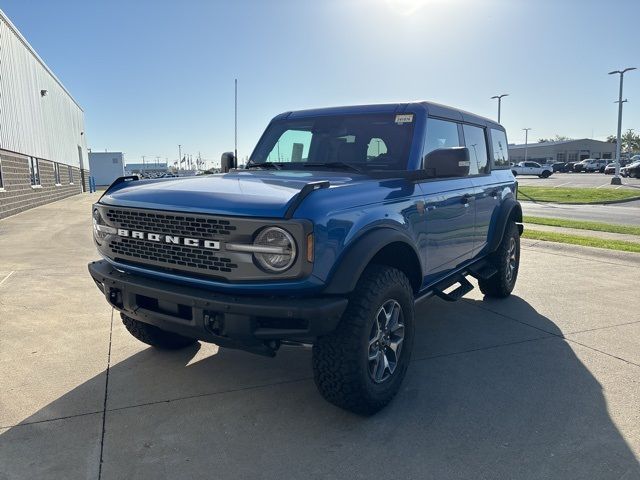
[(351, 264), (510, 209)]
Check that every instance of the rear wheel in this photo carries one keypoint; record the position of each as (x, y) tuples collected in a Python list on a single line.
[(545, 174), (361, 365), (506, 259), (154, 336)]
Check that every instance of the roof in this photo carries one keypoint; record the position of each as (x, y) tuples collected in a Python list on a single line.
[(28, 46), (559, 142), (432, 108)]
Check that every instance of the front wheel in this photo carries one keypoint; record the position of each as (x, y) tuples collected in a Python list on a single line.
[(360, 366), (506, 259)]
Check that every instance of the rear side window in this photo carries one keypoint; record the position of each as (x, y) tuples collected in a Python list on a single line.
[(476, 142), (501, 149), (441, 134)]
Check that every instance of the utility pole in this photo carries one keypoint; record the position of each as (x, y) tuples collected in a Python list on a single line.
[(526, 142), (499, 97), (235, 121), (179, 156), (616, 180)]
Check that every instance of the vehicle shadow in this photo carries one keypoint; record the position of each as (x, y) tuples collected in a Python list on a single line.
[(485, 397)]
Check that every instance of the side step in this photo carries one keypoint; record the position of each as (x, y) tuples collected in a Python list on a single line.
[(464, 288), (482, 270)]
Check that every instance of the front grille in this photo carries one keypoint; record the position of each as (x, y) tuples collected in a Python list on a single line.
[(171, 256), (170, 224), (177, 255)]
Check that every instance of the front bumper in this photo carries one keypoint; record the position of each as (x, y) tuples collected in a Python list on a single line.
[(245, 322)]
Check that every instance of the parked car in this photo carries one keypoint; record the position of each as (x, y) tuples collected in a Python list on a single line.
[(591, 165), (632, 170), (562, 167), (579, 166), (333, 248), (610, 169), (532, 168)]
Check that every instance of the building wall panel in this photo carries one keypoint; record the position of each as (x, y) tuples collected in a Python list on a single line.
[(50, 127)]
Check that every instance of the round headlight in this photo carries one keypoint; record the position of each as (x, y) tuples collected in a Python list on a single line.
[(278, 249)]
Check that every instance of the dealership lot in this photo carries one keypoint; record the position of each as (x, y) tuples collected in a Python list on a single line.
[(582, 180), (543, 384)]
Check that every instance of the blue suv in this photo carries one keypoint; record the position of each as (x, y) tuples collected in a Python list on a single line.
[(341, 222)]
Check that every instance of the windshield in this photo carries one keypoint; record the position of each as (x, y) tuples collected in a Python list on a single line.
[(359, 142)]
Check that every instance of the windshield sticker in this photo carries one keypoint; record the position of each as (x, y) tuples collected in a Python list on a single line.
[(406, 118)]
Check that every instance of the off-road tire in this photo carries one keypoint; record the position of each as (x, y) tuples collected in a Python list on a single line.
[(154, 336), (340, 360), (500, 285)]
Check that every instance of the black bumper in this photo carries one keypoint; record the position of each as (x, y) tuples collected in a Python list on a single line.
[(232, 321)]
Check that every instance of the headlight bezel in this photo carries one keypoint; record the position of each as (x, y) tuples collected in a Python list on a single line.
[(261, 258)]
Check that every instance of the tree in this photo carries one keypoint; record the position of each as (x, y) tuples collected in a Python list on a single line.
[(557, 138), (629, 141)]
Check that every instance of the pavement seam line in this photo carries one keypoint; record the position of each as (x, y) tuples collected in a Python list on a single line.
[(602, 328), (106, 394), (562, 336), (7, 277), (589, 259)]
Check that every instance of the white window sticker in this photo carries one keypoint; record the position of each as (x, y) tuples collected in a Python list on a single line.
[(405, 118)]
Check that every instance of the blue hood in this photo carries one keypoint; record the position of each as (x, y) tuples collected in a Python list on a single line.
[(245, 193)]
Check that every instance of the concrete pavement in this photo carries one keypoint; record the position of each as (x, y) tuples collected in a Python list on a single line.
[(544, 384)]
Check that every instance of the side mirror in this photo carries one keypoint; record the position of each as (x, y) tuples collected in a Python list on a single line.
[(448, 162), (227, 161)]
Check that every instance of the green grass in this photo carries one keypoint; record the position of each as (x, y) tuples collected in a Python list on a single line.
[(583, 241), (575, 195), (584, 225)]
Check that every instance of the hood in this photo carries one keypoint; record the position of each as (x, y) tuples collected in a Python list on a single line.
[(245, 193)]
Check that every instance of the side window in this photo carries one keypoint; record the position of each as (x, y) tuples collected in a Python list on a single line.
[(292, 146), (476, 142), (34, 171), (56, 173), (501, 149), (70, 172), (376, 148), (440, 134)]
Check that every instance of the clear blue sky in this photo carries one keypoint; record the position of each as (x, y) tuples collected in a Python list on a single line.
[(151, 74)]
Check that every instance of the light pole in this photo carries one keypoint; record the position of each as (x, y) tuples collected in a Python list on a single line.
[(179, 156), (499, 97), (616, 180), (526, 141)]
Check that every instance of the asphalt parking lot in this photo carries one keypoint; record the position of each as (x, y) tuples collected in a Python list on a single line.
[(581, 180), (545, 384)]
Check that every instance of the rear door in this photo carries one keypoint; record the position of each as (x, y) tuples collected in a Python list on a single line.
[(485, 187), (449, 207)]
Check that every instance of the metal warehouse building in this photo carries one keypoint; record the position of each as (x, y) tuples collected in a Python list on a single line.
[(42, 143), (562, 151)]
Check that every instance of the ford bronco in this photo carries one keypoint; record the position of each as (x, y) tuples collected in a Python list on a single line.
[(340, 223)]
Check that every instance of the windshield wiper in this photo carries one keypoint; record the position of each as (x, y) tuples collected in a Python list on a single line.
[(265, 165), (342, 165)]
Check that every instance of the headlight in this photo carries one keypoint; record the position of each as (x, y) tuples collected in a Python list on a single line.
[(100, 229), (274, 249)]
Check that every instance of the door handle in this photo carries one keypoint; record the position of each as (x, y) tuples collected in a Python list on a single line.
[(494, 193), (465, 199)]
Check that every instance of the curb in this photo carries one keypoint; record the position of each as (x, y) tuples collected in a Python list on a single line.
[(604, 202)]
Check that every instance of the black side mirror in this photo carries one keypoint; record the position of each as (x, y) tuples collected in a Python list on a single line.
[(448, 162), (227, 161)]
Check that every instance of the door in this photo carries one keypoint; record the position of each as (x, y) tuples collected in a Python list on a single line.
[(449, 207), (81, 168)]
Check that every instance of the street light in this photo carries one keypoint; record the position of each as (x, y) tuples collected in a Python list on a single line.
[(499, 97), (616, 180), (526, 141)]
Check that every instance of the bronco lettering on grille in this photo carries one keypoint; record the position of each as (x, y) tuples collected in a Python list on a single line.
[(171, 239)]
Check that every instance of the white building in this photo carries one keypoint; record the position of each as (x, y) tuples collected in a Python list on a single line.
[(43, 154), (106, 167), (562, 151)]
